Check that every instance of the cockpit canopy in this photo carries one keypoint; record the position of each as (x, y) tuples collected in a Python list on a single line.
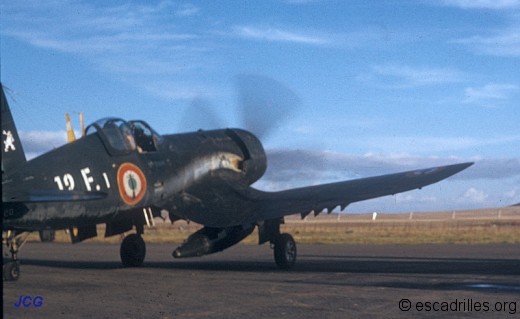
[(121, 137)]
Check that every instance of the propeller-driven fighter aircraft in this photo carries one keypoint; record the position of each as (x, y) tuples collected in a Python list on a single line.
[(123, 173)]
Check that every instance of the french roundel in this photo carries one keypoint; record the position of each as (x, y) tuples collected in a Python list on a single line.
[(131, 182)]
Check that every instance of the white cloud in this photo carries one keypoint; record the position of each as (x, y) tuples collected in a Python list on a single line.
[(174, 91), (431, 144), (490, 94), (404, 198), (38, 142), (474, 196), (277, 35), (402, 76), (492, 169), (483, 4), (408, 198), (514, 193), (102, 44), (297, 2), (124, 40), (187, 10), (504, 43)]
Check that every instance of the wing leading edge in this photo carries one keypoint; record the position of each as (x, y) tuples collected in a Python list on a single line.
[(269, 205)]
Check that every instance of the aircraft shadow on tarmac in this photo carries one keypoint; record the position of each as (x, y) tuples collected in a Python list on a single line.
[(319, 264)]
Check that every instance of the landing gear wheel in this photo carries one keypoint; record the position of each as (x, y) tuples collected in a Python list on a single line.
[(47, 235), (11, 271), (14, 242), (133, 250), (285, 251)]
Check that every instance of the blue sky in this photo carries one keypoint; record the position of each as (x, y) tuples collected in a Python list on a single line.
[(384, 86)]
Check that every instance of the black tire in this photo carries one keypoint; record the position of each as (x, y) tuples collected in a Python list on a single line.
[(133, 251), (11, 271), (47, 235), (285, 251)]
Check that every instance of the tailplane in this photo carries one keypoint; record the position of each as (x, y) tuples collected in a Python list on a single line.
[(13, 155)]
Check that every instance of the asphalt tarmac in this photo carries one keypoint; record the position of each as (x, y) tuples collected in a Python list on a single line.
[(329, 281)]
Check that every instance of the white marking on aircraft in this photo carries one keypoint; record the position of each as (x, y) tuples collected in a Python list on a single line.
[(8, 141), (87, 179)]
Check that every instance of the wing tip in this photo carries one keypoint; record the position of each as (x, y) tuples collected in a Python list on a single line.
[(462, 166), (450, 170)]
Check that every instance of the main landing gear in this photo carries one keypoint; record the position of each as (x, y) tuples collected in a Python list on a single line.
[(284, 248), (283, 245), (14, 242), (133, 250), (47, 235), (133, 247)]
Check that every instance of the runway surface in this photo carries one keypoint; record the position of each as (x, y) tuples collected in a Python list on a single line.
[(329, 281)]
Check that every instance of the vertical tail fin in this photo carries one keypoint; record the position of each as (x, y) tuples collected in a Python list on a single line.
[(13, 155)]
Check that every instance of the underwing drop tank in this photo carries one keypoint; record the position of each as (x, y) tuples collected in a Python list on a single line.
[(210, 240)]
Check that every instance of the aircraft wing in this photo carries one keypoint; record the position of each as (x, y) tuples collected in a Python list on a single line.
[(49, 196), (269, 205)]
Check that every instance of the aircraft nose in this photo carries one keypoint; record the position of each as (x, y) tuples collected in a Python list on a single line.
[(255, 160)]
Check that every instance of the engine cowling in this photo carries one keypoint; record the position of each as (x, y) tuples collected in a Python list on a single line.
[(255, 159)]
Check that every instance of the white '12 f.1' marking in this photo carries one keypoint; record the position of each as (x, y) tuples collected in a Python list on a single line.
[(86, 178), (67, 181)]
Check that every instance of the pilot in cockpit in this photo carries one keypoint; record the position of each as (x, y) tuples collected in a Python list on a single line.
[(144, 141), (129, 138)]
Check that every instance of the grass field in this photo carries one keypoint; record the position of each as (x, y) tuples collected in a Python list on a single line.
[(457, 227), (501, 225)]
